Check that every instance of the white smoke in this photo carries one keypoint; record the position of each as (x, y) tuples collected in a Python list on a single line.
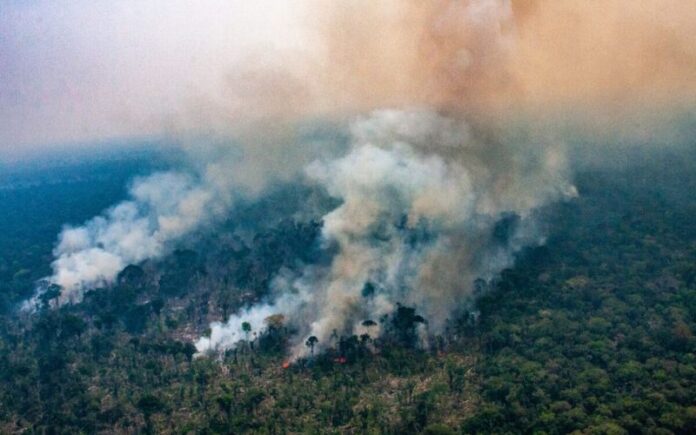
[(161, 209), (166, 207), (421, 193), (420, 199), (227, 335)]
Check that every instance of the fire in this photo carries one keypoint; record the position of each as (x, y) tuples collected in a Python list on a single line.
[(286, 364)]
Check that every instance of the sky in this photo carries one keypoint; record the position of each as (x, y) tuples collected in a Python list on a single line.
[(86, 70), (89, 71)]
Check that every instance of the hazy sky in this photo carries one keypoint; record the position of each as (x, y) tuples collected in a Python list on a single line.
[(89, 70), (80, 70)]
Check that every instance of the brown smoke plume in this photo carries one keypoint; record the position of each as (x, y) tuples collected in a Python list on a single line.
[(448, 170), (475, 56), (428, 175)]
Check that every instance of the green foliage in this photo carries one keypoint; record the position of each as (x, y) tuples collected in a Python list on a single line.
[(591, 333)]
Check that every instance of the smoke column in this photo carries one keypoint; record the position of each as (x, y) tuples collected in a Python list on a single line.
[(166, 207), (162, 208), (474, 57), (420, 196), (431, 170)]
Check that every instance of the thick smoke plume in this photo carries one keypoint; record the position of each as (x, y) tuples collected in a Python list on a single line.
[(478, 57), (163, 208), (421, 195), (166, 207), (491, 54), (435, 189)]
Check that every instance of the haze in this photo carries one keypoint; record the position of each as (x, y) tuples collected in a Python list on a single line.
[(74, 71)]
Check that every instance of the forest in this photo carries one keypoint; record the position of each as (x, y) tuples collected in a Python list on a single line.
[(590, 333)]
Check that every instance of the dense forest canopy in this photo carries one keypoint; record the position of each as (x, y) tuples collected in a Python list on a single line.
[(393, 216), (591, 332)]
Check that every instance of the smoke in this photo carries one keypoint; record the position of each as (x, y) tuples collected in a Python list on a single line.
[(162, 208), (434, 193), (479, 57), (227, 335), (606, 52), (494, 54), (421, 196)]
